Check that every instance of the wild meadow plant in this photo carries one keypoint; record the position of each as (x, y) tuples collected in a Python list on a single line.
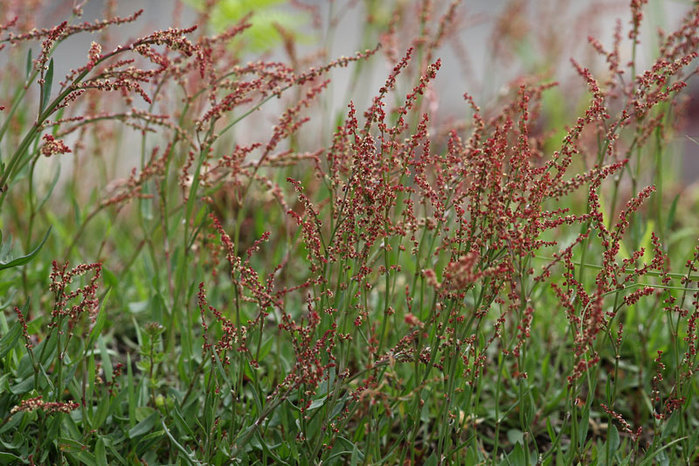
[(508, 289)]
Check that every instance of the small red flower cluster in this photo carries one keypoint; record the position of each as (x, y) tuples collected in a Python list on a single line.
[(53, 146), (49, 407)]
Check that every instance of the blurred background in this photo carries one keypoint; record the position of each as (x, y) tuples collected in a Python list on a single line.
[(488, 45)]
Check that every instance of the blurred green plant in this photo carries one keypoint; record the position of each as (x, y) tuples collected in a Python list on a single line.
[(269, 20)]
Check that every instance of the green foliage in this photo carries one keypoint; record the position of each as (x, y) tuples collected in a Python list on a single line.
[(266, 18)]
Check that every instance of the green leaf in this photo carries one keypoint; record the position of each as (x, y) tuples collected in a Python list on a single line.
[(612, 441), (261, 444), (245, 436), (431, 460), (102, 412), (317, 403), (342, 447), (115, 453), (515, 436), (10, 339), (106, 361), (518, 456), (46, 88), (29, 65), (180, 422), (671, 424), (188, 456), (130, 389), (9, 458), (23, 387), (144, 426), (25, 259), (100, 452), (13, 423), (83, 457), (110, 279), (79, 450), (142, 412), (671, 213), (584, 426), (471, 456), (650, 456)]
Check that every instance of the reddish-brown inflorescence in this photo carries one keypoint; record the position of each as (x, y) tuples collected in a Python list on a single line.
[(53, 146), (25, 333), (473, 214), (65, 298), (49, 407)]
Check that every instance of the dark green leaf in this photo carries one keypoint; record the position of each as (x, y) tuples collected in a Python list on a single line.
[(100, 452), (69, 427), (147, 441), (9, 458), (130, 388), (584, 426), (612, 441), (188, 456), (517, 456), (261, 443), (106, 360), (24, 259), (9, 340), (431, 460), (471, 456), (671, 424), (84, 457), (115, 453), (23, 387), (70, 445), (144, 426), (550, 431), (102, 412), (180, 422)]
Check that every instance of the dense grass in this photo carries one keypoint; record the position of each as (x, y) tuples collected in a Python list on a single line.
[(385, 284)]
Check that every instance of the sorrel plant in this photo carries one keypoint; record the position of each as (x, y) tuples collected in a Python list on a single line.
[(401, 289)]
